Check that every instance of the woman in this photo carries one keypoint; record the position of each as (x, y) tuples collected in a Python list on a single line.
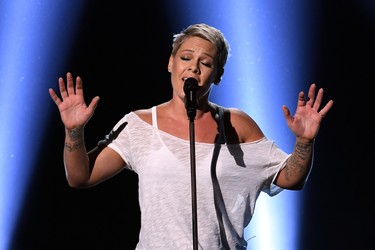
[(234, 160)]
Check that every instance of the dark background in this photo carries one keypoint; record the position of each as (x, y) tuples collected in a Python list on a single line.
[(123, 59)]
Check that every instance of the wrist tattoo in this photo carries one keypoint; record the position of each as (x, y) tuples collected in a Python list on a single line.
[(76, 136), (297, 162), (303, 151), (73, 146)]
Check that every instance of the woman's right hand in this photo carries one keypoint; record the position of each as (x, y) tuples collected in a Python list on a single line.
[(73, 110)]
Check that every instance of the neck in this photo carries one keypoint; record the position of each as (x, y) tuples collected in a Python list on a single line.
[(177, 108)]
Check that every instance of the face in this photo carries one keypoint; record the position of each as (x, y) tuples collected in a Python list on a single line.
[(195, 58)]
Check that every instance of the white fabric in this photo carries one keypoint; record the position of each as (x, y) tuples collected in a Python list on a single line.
[(162, 163)]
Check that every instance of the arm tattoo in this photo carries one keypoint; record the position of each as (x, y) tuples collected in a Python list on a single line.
[(76, 136), (298, 162)]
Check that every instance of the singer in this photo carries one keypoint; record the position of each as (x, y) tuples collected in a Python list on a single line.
[(235, 161)]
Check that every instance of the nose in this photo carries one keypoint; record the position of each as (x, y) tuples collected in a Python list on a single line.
[(194, 68)]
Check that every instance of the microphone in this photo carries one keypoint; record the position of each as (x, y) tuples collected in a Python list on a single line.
[(190, 89)]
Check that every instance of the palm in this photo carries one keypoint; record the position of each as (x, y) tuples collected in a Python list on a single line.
[(73, 110), (306, 121)]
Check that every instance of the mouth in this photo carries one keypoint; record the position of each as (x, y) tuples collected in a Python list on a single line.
[(185, 78), (190, 78)]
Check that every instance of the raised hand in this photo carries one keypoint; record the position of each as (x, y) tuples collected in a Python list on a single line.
[(305, 123), (73, 110)]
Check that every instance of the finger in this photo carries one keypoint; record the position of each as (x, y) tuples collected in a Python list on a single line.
[(311, 95), (79, 86), (301, 99), (54, 96), (94, 103), (323, 112), (70, 83), (286, 113), (62, 88), (319, 99)]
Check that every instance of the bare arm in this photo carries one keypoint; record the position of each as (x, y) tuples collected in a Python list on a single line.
[(76, 160), (297, 168), (305, 125), (82, 168)]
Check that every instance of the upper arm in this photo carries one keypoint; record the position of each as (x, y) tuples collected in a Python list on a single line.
[(246, 128), (105, 162)]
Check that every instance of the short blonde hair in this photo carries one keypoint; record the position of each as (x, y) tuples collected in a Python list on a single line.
[(209, 33)]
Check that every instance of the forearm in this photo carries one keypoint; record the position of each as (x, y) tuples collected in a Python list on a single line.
[(76, 161), (298, 165)]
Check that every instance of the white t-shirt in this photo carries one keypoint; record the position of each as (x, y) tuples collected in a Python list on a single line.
[(226, 187)]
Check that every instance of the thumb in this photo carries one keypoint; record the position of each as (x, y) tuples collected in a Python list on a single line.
[(286, 112), (94, 103)]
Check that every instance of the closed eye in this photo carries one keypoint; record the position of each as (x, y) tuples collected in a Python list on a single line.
[(204, 63), (207, 64)]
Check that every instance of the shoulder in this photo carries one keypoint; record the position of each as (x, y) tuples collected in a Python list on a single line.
[(144, 114), (245, 128)]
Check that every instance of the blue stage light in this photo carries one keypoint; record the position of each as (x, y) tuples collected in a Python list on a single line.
[(267, 68), (34, 40)]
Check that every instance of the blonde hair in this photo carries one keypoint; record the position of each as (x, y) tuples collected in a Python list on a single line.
[(209, 33)]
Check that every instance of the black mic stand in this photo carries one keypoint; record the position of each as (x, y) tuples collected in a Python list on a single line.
[(191, 111), (190, 89)]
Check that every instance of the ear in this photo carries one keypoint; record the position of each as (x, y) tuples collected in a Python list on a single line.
[(219, 74), (170, 63)]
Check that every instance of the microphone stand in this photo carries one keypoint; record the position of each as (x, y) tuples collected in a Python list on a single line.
[(190, 89), (191, 114)]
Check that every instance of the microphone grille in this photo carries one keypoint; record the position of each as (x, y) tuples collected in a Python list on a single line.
[(191, 84)]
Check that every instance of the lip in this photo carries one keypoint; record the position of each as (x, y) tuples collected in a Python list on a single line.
[(184, 78)]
